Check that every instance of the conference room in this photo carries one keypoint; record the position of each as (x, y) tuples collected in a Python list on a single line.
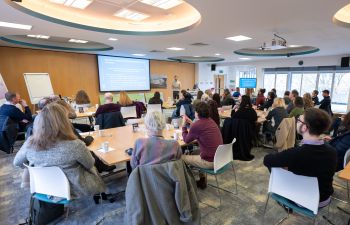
[(174, 112)]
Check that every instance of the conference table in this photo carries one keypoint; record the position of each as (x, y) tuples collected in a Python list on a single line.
[(345, 173), (120, 139), (227, 114), (89, 112)]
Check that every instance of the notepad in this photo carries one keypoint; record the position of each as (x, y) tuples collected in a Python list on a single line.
[(109, 149)]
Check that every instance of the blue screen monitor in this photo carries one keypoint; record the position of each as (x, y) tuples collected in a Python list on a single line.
[(247, 82)]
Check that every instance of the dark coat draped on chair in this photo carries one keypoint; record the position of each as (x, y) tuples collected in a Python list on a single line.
[(110, 120)]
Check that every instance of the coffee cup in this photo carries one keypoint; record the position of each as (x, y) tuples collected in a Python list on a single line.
[(96, 127), (100, 133)]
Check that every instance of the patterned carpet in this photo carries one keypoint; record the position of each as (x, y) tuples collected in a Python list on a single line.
[(246, 208)]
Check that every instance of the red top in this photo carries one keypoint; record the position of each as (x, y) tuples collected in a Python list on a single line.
[(260, 100)]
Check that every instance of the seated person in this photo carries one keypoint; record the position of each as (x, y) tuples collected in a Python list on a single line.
[(124, 101), (82, 100), (227, 98), (275, 116), (307, 101), (156, 99), (236, 94), (314, 158), (260, 99), (267, 104), (245, 110), (298, 108), (109, 106), (216, 98), (185, 101), (341, 141), (286, 97), (293, 94), (198, 99), (154, 149), (54, 143), (315, 97), (208, 136), (9, 109), (326, 103), (213, 112)]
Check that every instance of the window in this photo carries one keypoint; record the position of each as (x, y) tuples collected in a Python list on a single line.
[(281, 83), (308, 83), (296, 81), (269, 81), (340, 95)]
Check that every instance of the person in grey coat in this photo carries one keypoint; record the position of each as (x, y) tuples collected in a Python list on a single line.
[(162, 194), (53, 143)]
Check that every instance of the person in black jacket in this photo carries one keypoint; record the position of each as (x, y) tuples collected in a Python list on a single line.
[(267, 104), (9, 109), (156, 99), (275, 117), (314, 158), (227, 98), (315, 97), (245, 110), (325, 104)]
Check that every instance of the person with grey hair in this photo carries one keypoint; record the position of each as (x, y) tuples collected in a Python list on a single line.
[(109, 106), (154, 149), (43, 102)]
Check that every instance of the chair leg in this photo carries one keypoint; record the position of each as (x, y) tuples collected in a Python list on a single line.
[(234, 174), (217, 185), (67, 213), (267, 201)]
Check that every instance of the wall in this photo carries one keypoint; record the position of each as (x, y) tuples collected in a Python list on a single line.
[(70, 72)]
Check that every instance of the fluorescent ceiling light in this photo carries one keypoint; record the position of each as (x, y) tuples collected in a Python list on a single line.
[(137, 54), (217, 54), (38, 36), (175, 49), (80, 4), (294, 46), (245, 58), (131, 15), (113, 39), (164, 4), (78, 41), (196, 56), (238, 38), (15, 25)]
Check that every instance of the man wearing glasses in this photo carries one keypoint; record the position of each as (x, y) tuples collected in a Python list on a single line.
[(313, 158)]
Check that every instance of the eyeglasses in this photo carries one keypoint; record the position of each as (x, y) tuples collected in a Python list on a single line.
[(298, 120)]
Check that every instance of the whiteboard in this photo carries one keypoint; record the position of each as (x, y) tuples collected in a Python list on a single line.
[(38, 86), (3, 90)]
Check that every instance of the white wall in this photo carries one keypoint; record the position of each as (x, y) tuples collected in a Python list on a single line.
[(204, 73)]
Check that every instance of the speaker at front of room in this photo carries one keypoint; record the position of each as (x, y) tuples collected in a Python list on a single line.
[(345, 61), (213, 67)]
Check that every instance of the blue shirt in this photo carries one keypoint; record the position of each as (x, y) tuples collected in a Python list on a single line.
[(14, 113)]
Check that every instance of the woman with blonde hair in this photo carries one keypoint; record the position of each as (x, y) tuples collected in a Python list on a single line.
[(308, 103), (274, 117), (54, 143), (124, 100), (82, 99)]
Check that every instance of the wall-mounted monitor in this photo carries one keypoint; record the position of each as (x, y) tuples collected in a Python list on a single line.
[(247, 82), (123, 74)]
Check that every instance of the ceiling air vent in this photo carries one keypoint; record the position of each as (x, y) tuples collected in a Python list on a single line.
[(156, 51), (199, 44)]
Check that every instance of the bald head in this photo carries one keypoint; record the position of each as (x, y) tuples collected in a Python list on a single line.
[(108, 97)]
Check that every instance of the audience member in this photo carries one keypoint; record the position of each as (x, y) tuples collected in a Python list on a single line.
[(213, 112), (326, 102), (293, 94), (9, 109), (245, 110), (216, 98), (270, 98), (308, 103), (54, 143), (156, 99), (236, 94), (205, 98), (198, 99), (275, 116), (208, 136), (260, 99), (286, 97), (227, 98), (314, 158), (298, 108), (82, 100), (209, 93), (315, 97), (124, 101), (154, 149), (109, 106), (185, 101), (274, 91)]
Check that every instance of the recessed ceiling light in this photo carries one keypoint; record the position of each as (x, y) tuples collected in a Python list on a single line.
[(80, 4), (164, 4), (113, 39), (175, 49), (294, 46), (245, 58), (137, 54), (196, 56), (78, 41), (131, 15), (39, 36), (217, 54), (15, 25), (238, 38)]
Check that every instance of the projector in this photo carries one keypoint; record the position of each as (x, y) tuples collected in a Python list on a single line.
[(276, 44)]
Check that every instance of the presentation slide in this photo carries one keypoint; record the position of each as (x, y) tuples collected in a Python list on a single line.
[(247, 82), (123, 74)]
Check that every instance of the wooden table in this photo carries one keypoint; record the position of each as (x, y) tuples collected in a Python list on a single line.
[(87, 113), (227, 114), (167, 105), (120, 139), (345, 173)]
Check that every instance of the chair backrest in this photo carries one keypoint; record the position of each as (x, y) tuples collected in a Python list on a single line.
[(154, 108), (346, 157), (49, 181), (223, 155), (110, 120), (129, 112), (8, 133), (302, 190)]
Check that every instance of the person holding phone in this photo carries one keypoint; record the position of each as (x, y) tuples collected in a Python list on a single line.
[(9, 109)]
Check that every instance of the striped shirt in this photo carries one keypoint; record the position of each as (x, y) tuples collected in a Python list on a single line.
[(154, 150)]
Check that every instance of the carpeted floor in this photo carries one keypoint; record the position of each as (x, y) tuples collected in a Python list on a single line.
[(245, 208)]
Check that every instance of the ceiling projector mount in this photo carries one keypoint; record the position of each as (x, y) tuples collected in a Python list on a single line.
[(277, 42)]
